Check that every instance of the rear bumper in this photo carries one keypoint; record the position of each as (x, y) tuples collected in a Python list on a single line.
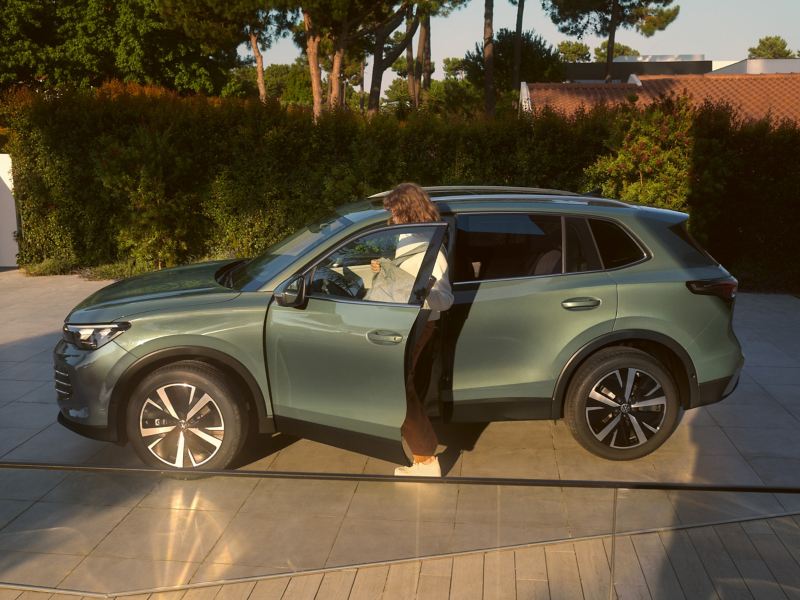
[(715, 390)]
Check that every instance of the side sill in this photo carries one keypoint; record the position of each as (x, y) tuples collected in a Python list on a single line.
[(500, 409), (354, 441)]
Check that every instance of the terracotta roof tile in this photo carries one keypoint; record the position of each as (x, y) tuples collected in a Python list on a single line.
[(755, 96)]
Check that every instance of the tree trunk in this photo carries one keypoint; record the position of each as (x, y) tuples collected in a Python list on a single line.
[(312, 51), (361, 86), (335, 83), (488, 57), (612, 32), (418, 63), (427, 65), (377, 73), (380, 60), (339, 45), (518, 45), (411, 68), (262, 87)]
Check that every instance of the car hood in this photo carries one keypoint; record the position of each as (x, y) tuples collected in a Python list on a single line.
[(160, 290)]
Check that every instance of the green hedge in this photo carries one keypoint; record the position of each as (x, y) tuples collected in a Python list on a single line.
[(148, 178)]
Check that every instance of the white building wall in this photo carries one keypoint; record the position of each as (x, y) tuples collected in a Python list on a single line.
[(8, 215), (760, 66)]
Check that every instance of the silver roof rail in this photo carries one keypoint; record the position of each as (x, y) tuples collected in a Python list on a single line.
[(463, 190)]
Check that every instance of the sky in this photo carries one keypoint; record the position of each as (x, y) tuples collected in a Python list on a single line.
[(718, 29)]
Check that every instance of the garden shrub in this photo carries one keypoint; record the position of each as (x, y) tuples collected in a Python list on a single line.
[(141, 178), (652, 156)]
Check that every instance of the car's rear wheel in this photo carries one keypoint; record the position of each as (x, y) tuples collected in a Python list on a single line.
[(622, 404), (185, 416)]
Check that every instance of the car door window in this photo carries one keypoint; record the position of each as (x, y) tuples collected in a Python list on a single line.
[(506, 245), (347, 272), (581, 253), (617, 249)]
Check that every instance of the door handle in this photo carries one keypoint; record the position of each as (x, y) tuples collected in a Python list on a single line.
[(580, 303), (384, 338)]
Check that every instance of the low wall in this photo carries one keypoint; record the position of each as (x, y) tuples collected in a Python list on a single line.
[(8, 215)]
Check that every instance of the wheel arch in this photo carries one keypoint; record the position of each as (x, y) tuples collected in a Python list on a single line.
[(234, 371), (665, 349)]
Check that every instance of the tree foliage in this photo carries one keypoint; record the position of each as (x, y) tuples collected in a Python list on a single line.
[(256, 23), (85, 42), (604, 17), (652, 158), (772, 46), (573, 52), (539, 61), (290, 84), (601, 52), (579, 17)]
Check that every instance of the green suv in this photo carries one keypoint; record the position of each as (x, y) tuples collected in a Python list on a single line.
[(607, 314)]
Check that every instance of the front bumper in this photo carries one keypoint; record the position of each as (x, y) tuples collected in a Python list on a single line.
[(104, 434), (85, 381)]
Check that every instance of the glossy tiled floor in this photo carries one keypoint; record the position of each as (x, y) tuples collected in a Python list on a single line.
[(115, 532)]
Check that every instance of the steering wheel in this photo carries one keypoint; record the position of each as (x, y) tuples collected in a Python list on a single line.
[(332, 283)]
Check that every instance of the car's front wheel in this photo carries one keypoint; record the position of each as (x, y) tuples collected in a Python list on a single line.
[(622, 404), (185, 416)]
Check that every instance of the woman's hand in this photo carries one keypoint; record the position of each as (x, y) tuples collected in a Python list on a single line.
[(375, 265)]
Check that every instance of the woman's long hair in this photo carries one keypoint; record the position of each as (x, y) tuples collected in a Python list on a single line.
[(409, 203)]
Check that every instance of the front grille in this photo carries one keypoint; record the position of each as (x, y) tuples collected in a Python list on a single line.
[(63, 385)]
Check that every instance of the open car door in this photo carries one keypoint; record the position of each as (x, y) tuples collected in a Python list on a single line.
[(336, 361)]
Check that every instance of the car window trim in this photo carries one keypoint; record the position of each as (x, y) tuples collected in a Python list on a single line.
[(647, 254), (361, 302), (563, 244), (304, 272), (594, 244), (594, 241)]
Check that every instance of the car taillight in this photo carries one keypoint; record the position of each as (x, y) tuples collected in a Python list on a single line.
[(724, 287)]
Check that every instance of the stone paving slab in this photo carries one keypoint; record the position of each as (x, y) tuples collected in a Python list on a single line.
[(166, 530)]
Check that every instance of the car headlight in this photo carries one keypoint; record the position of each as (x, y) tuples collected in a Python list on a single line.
[(91, 337)]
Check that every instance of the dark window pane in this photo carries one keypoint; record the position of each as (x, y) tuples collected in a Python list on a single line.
[(581, 254), (616, 247), (507, 245)]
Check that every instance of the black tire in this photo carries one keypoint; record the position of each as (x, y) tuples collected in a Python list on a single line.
[(627, 429), (211, 436)]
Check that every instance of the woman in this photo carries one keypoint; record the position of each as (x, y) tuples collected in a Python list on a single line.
[(409, 203)]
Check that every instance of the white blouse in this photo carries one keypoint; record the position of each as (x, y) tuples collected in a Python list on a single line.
[(440, 297)]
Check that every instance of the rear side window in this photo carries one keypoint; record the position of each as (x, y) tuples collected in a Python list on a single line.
[(617, 249), (505, 245)]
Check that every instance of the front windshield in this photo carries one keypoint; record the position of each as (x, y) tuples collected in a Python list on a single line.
[(253, 274)]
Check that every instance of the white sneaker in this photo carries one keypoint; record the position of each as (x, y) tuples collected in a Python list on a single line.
[(426, 469)]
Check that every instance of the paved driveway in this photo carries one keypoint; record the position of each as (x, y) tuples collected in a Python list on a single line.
[(118, 531)]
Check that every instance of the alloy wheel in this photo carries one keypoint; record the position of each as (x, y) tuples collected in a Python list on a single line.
[(181, 425), (625, 408)]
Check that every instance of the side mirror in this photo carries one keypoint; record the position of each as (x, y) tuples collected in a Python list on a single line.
[(292, 292)]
